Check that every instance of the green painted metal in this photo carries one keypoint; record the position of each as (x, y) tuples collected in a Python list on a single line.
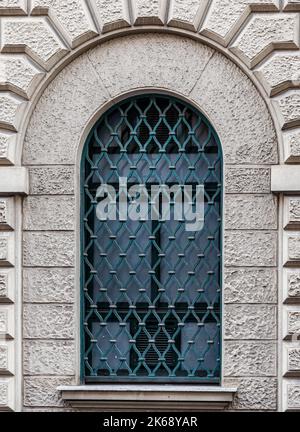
[(151, 291)]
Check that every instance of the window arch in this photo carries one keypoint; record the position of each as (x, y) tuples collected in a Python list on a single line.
[(151, 287)]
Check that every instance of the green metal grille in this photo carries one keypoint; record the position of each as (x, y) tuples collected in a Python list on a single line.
[(151, 291)]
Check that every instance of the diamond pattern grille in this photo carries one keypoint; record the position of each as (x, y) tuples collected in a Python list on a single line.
[(151, 289)]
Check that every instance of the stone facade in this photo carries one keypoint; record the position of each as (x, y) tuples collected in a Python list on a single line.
[(60, 68)]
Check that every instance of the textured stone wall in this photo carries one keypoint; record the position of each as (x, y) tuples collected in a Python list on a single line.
[(59, 121), (262, 36)]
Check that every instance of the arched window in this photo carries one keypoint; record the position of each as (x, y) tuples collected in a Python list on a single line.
[(151, 279)]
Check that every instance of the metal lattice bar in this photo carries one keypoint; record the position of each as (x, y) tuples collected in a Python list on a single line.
[(151, 291)]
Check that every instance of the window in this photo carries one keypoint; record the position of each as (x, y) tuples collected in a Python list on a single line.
[(151, 289)]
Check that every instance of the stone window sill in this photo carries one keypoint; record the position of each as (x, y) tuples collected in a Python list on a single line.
[(147, 397)]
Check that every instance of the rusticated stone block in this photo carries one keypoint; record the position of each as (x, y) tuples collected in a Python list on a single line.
[(291, 143), (13, 7), (257, 212), (7, 394), (42, 392), (7, 249), (292, 286), (293, 397), (7, 322), (111, 15), (49, 249), (247, 180), (292, 212), (245, 359), (49, 358), (250, 249), (19, 75), (255, 394), (263, 34), (11, 111), (250, 322), (6, 214), (292, 355), (70, 16), (149, 12), (292, 323), (7, 148), (48, 322), (51, 181), (49, 213), (291, 5), (49, 285), (36, 37), (60, 119), (291, 249), (288, 109), (187, 13), (7, 286), (279, 73), (7, 359), (250, 285), (225, 17)]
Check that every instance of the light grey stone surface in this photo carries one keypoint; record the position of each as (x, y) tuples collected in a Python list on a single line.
[(288, 107), (255, 394), (291, 5), (19, 75), (250, 249), (294, 359), (36, 36), (136, 71), (52, 213), (294, 397), (257, 212), (3, 358), (225, 16), (111, 14), (264, 32), (11, 110), (48, 321), (255, 322), (51, 180), (3, 285), (187, 13), (149, 12), (293, 252), (3, 393), (247, 180), (293, 282), (48, 285), (41, 392), (7, 148), (246, 359), (293, 323), (13, 7), (49, 358), (71, 16), (292, 146), (250, 285), (48, 249), (280, 72)]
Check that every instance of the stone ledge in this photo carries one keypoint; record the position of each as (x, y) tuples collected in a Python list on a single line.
[(14, 181), (285, 178), (141, 397)]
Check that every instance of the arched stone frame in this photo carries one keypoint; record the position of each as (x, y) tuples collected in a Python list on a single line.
[(245, 20), (61, 116)]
